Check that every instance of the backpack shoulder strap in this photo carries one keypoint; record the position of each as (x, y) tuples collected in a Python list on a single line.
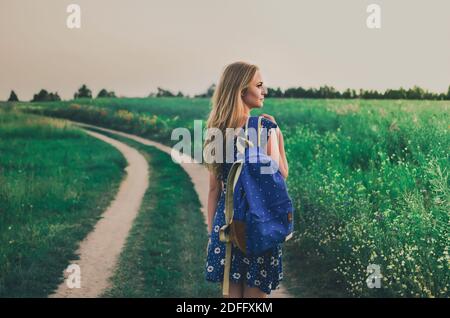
[(254, 122), (224, 232)]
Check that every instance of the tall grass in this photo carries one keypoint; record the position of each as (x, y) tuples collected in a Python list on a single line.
[(374, 189)]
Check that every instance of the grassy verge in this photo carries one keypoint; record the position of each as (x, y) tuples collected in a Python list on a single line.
[(55, 181)]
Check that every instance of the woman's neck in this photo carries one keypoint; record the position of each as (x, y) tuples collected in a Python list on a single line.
[(244, 118), (246, 111)]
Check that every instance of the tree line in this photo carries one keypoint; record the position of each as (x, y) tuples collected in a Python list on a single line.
[(326, 91)]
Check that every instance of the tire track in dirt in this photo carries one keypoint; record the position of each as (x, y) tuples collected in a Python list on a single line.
[(99, 251)]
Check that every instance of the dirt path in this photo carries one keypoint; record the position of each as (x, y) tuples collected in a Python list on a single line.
[(99, 251), (199, 176)]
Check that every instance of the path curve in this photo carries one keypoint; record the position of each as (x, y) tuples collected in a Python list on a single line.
[(197, 172), (99, 251)]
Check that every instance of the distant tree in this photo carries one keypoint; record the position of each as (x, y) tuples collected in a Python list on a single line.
[(395, 93), (371, 94), (105, 94), (164, 93), (448, 93), (402, 93), (346, 93), (415, 93), (289, 92), (209, 91), (83, 92), (41, 96), (295, 92), (431, 95), (54, 97), (44, 96), (311, 93), (274, 92), (13, 97), (442, 96), (349, 93)]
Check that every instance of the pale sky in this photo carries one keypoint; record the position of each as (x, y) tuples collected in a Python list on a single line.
[(134, 46)]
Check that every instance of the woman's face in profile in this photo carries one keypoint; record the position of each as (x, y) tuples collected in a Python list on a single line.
[(254, 95)]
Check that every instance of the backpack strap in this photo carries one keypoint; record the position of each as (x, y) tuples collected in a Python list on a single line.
[(255, 123), (224, 232), (252, 122)]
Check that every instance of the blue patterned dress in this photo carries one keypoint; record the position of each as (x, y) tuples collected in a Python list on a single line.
[(264, 271)]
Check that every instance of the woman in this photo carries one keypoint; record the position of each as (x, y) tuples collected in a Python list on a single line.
[(240, 89)]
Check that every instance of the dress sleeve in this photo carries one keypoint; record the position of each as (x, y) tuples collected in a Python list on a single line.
[(268, 124)]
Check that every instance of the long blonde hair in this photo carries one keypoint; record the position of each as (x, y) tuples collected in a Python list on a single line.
[(227, 106)]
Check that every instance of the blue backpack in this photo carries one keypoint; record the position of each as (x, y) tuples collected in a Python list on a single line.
[(258, 209)]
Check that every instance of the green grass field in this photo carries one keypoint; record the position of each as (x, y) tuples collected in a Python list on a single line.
[(52, 192), (369, 179)]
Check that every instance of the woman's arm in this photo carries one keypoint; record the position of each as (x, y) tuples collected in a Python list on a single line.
[(275, 149), (283, 153), (215, 187)]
